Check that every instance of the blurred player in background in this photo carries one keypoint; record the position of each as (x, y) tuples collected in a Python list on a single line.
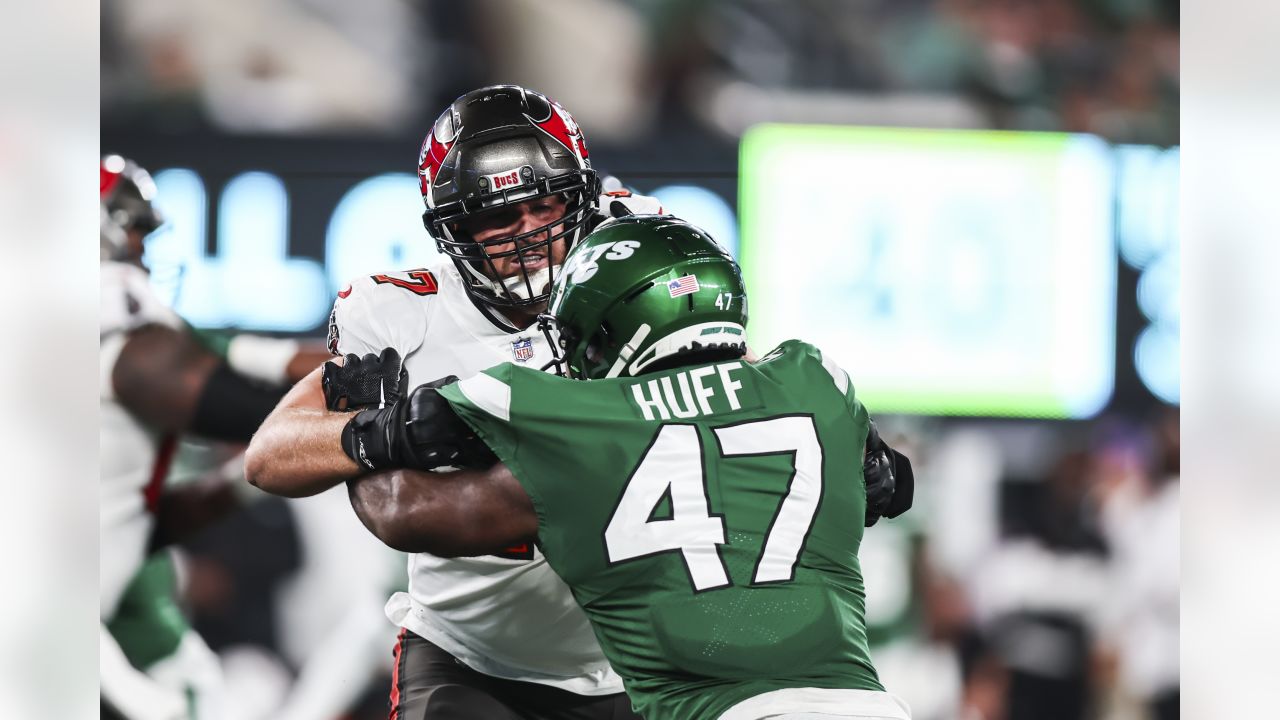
[(706, 510), (509, 187), (1141, 518), (158, 381)]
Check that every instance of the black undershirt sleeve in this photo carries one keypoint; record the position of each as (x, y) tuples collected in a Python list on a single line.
[(231, 408)]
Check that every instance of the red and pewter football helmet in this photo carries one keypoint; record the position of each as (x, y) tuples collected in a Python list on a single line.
[(127, 193), (494, 147)]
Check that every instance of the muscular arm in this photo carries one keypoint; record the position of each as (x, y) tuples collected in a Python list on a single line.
[(160, 375), (298, 451), (451, 514), (167, 379)]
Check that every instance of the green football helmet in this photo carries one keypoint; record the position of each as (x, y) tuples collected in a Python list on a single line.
[(643, 293)]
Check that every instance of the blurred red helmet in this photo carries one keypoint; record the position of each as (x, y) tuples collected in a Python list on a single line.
[(128, 195)]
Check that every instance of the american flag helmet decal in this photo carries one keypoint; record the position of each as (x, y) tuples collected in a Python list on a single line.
[(682, 286)]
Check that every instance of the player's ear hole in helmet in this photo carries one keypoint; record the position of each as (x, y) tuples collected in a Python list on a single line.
[(501, 149), (642, 294)]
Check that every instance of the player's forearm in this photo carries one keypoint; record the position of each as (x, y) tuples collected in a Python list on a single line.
[(397, 511), (169, 380), (451, 514), (189, 508), (298, 452)]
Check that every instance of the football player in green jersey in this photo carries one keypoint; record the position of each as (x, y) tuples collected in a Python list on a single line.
[(705, 508)]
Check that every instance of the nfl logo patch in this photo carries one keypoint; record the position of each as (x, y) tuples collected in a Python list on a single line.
[(522, 349)]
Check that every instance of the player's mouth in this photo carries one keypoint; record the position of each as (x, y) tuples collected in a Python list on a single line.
[(533, 261)]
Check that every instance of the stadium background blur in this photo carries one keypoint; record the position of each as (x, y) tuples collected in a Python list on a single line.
[(1033, 579)]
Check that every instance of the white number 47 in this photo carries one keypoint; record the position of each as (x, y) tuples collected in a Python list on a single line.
[(724, 300), (673, 465)]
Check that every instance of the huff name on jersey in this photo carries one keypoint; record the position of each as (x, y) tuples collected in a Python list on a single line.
[(688, 393)]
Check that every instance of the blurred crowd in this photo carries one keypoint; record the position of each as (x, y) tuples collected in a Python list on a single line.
[(1045, 573), (631, 68)]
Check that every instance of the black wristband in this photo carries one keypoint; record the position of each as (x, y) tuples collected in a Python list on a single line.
[(366, 440), (348, 442), (232, 407)]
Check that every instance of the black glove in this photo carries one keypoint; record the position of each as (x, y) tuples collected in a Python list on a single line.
[(364, 382), (889, 478), (619, 209), (418, 432)]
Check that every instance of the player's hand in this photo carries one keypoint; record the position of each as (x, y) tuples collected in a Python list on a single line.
[(418, 432), (436, 437), (360, 383), (889, 478)]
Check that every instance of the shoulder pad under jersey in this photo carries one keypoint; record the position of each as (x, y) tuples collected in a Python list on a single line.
[(128, 302)]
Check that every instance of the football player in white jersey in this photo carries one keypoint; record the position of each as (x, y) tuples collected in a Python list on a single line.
[(158, 381), (508, 187)]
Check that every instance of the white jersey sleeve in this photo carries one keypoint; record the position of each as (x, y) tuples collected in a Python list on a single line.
[(380, 311), (130, 457)]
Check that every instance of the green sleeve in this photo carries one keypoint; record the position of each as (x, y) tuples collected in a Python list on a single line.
[(484, 402), (216, 341)]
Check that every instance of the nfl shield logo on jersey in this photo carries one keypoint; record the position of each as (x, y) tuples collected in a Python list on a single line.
[(522, 349)]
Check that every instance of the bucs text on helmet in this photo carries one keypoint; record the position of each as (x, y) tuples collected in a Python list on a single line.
[(644, 293), (497, 147), (127, 194)]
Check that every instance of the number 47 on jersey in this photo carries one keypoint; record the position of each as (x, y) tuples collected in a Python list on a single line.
[(673, 463)]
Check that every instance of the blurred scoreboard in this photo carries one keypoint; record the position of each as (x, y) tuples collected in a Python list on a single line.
[(949, 272), (229, 254)]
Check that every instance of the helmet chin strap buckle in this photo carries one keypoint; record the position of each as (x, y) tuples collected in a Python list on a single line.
[(545, 321), (628, 350)]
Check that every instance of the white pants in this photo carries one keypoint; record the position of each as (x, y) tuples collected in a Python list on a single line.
[(820, 704), (194, 671)]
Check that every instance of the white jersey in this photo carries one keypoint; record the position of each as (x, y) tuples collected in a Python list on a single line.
[(132, 457), (510, 617)]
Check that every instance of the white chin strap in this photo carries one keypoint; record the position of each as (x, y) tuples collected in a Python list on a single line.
[(539, 281)]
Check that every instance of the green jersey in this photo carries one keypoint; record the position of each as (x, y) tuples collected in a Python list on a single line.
[(148, 623), (707, 519)]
